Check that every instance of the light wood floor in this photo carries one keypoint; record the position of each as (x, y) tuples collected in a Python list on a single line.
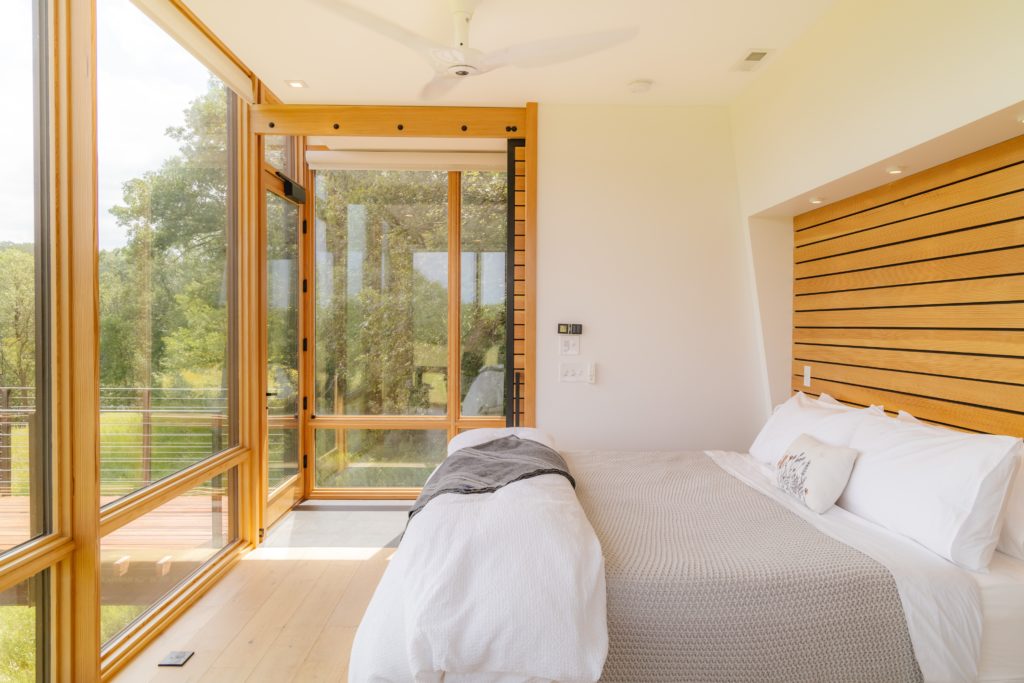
[(289, 610)]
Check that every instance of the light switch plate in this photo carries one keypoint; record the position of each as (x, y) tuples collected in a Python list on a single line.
[(568, 345), (576, 371)]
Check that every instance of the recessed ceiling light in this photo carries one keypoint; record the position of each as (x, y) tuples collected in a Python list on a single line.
[(640, 86), (894, 170), (297, 84), (1020, 117), (815, 200)]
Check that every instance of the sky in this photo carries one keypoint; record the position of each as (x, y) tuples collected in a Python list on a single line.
[(145, 81)]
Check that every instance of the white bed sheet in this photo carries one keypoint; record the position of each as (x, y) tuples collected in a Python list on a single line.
[(1002, 600), (942, 602)]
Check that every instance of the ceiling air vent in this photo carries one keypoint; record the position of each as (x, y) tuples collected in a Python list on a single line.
[(752, 60)]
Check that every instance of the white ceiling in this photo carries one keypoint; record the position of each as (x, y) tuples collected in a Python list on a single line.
[(689, 48)]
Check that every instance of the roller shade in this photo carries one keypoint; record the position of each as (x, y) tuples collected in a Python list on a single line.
[(167, 16)]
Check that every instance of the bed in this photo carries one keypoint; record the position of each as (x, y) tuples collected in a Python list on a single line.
[(711, 573)]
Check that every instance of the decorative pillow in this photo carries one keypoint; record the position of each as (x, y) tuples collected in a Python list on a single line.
[(941, 488), (1011, 541), (814, 473), (475, 437), (830, 424)]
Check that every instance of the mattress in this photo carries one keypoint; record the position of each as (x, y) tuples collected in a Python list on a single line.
[(1002, 601)]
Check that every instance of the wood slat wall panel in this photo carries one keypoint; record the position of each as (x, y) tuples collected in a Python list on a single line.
[(989, 368), (989, 289), (1000, 262), (999, 236), (912, 295), (978, 342), (944, 197), (974, 392), (944, 412), (974, 215), (999, 155), (985, 316)]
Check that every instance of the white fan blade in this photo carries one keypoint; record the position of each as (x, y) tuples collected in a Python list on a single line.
[(439, 86), (423, 46), (555, 50)]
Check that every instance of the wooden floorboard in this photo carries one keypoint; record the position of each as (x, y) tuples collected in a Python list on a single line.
[(288, 611)]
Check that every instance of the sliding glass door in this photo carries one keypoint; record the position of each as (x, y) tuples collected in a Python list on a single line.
[(409, 331)]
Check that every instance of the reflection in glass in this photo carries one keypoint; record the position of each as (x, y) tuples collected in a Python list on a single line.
[(166, 140), (146, 558), (277, 151), (23, 291), (382, 292), (377, 457), (484, 243), (23, 616), (282, 337)]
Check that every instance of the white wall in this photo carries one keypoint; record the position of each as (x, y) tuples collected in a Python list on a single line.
[(871, 79), (640, 240)]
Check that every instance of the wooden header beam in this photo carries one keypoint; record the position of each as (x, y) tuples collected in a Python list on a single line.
[(384, 121)]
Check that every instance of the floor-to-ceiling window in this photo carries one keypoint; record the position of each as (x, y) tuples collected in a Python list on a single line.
[(26, 482), (167, 209), (410, 305)]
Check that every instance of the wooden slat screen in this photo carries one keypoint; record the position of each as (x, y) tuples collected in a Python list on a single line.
[(912, 295), (519, 282)]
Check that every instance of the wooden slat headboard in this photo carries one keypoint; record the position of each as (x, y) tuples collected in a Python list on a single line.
[(912, 295)]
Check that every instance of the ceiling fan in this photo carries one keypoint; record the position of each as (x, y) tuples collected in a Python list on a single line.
[(459, 61)]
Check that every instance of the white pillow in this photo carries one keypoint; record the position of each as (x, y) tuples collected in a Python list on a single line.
[(1011, 541), (906, 417), (475, 437), (830, 424), (814, 473), (941, 488)]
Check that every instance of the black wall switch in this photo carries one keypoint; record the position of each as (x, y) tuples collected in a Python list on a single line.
[(570, 328)]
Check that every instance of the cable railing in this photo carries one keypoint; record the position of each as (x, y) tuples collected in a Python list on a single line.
[(146, 433)]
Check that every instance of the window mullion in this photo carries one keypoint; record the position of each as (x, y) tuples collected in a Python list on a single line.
[(454, 299)]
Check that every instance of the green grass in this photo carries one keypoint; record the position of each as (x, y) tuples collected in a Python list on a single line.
[(174, 447), (17, 644), (114, 618)]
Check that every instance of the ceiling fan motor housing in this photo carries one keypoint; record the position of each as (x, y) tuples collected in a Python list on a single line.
[(462, 70)]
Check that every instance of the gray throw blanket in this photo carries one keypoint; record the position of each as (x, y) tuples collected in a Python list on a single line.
[(489, 466), (711, 581)]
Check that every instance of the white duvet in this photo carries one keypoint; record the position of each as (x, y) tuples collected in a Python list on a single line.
[(502, 587)]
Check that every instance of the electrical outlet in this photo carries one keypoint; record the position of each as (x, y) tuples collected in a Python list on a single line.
[(568, 345), (807, 375)]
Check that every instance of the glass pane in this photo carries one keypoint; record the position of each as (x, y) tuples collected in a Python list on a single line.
[(23, 256), (277, 151), (484, 243), (377, 457), (283, 450), (282, 306), (23, 615), (382, 292), (146, 558), (166, 204)]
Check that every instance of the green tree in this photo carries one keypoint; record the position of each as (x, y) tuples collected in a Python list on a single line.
[(17, 315)]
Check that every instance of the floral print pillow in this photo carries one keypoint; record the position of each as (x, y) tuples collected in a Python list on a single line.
[(814, 472)]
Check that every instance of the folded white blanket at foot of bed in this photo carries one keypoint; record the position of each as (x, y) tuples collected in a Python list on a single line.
[(502, 587)]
